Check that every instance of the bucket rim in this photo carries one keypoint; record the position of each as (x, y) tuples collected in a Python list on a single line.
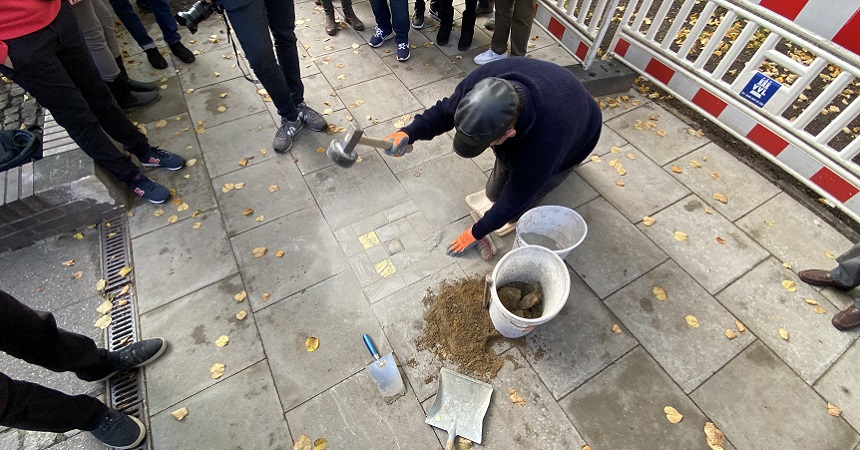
[(534, 210), (544, 318)]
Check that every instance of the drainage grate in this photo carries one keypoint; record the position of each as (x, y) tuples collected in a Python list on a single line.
[(125, 391)]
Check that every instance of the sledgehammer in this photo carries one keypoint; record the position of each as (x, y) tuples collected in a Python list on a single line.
[(342, 151)]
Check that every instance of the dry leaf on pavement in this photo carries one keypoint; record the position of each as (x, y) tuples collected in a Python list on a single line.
[(660, 293), (302, 443), (103, 321), (741, 327), (240, 297), (695, 164), (672, 414), (833, 410), (312, 343), (819, 309), (596, 159), (810, 301), (829, 254), (180, 413), (721, 241), (172, 219), (730, 333), (789, 285), (783, 333), (222, 341), (69, 263), (616, 328), (279, 254), (714, 437), (258, 252), (630, 156), (241, 315), (615, 149), (78, 236), (648, 221), (320, 444), (265, 296), (516, 399), (680, 236), (77, 274), (217, 370), (191, 162), (586, 447), (260, 218), (722, 198), (125, 271), (273, 188), (692, 321), (161, 123), (676, 169), (619, 184), (248, 211), (105, 307), (100, 285)]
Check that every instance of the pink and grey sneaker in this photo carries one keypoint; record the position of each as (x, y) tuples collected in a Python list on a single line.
[(157, 157)]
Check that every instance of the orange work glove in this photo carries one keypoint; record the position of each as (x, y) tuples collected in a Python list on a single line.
[(400, 144), (460, 244)]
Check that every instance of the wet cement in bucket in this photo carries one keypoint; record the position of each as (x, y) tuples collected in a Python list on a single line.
[(457, 328)]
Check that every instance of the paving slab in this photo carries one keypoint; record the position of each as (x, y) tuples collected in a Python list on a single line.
[(539, 423), (662, 150), (80, 441), (764, 305), (452, 50), (306, 153), (346, 68), (319, 44), (271, 190), (621, 103), (396, 101), (351, 414), (168, 260), (36, 276), (608, 139), (204, 70), (719, 172), (220, 416), (348, 195), (661, 328), (171, 103), (632, 393), (226, 144), (241, 100), (440, 187), (614, 253), (710, 263), (207, 314), (429, 94), (318, 96), (422, 151), (138, 67), (841, 386), (758, 402), (576, 344), (573, 193), (424, 67), (646, 189), (794, 234), (284, 327), (311, 254), (554, 54)]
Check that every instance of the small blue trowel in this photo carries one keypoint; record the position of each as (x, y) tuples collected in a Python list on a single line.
[(385, 373)]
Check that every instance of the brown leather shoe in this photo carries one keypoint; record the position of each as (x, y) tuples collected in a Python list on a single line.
[(352, 20), (847, 319), (331, 25), (818, 277)]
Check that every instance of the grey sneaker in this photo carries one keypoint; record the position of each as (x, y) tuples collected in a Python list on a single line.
[(286, 134), (311, 118), (134, 355)]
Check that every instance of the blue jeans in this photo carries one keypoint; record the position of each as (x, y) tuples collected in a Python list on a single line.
[(399, 12), (161, 11), (282, 78)]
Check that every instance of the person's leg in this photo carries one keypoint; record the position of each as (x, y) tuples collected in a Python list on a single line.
[(94, 35), (382, 14), (282, 21), (331, 24), (847, 273), (446, 22), (164, 17), (521, 26), (496, 183), (29, 406), (467, 31), (132, 22), (350, 17), (504, 11), (400, 20), (106, 20)]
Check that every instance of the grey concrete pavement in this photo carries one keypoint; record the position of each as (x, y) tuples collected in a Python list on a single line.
[(353, 251)]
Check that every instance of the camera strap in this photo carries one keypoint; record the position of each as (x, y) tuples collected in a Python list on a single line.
[(232, 41)]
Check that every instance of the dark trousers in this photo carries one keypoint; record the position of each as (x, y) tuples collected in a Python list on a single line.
[(392, 15), (34, 337), (55, 66), (282, 78), (514, 19), (160, 9)]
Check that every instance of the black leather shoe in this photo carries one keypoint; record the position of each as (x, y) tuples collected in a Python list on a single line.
[(847, 319), (182, 52), (155, 59), (818, 277)]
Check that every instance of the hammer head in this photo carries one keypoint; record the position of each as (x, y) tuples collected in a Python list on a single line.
[(342, 151)]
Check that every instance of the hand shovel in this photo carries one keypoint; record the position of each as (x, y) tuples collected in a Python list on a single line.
[(385, 373)]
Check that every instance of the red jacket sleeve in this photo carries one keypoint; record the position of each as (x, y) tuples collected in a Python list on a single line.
[(4, 52)]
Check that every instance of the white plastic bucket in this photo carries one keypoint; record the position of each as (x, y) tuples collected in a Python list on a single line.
[(529, 264), (563, 225)]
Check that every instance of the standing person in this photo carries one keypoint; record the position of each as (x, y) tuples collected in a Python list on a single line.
[(418, 16), (845, 276), (536, 116), (252, 21), (391, 23), (96, 23), (331, 24), (161, 10), (513, 19), (33, 336), (43, 50)]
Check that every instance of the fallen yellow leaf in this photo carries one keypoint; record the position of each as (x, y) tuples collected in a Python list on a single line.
[(222, 340), (320, 150), (730, 333), (596, 159), (222, 95), (265, 296), (240, 297), (321, 443), (672, 414), (516, 399), (78, 236), (227, 187), (158, 213), (786, 265), (819, 309), (789, 285), (811, 301), (586, 447), (680, 236), (695, 164), (124, 290), (273, 188), (676, 169), (616, 328), (692, 321), (103, 322), (630, 156), (312, 343), (248, 211), (660, 293), (182, 207), (715, 175), (241, 315), (77, 274), (648, 221), (302, 443), (100, 285), (833, 410), (615, 149), (661, 133), (722, 198), (258, 252), (217, 370), (180, 413), (783, 333), (69, 263), (721, 241), (239, 186), (105, 307), (741, 327), (613, 163), (161, 123), (829, 254), (125, 271), (197, 225), (714, 437), (172, 219)]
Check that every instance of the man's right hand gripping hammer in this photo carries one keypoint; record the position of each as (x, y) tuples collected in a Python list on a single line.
[(400, 144)]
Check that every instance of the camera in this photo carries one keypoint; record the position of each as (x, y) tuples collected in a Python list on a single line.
[(198, 12)]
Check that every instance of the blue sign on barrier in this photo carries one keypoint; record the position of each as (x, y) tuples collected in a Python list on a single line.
[(760, 89)]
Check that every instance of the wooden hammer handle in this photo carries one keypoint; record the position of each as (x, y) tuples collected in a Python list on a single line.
[(381, 144)]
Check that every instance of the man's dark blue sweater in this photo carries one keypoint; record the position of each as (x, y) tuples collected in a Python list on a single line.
[(557, 128)]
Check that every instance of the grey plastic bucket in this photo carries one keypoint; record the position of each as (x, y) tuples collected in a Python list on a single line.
[(558, 223)]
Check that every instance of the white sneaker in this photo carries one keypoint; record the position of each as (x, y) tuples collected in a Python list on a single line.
[(488, 57)]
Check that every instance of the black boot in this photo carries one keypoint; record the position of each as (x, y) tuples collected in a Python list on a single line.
[(128, 100), (136, 86), (155, 59), (466, 33)]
